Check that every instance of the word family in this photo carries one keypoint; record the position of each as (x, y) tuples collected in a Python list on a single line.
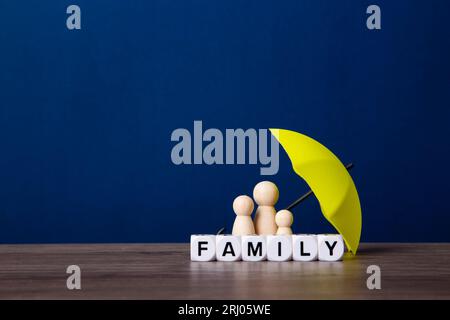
[(299, 247)]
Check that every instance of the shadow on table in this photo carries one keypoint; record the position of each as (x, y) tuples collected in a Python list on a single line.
[(371, 250)]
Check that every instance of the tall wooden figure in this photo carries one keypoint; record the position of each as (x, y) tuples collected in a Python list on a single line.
[(266, 195), (243, 224)]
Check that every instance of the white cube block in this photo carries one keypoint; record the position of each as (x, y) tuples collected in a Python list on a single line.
[(331, 247), (279, 247), (203, 247), (254, 248), (228, 248), (304, 247)]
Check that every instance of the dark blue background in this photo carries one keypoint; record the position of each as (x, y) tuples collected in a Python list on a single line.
[(86, 116)]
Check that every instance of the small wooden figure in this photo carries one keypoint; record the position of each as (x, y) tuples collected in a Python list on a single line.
[(266, 195), (284, 220), (243, 224)]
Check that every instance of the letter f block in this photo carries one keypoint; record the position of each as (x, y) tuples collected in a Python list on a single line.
[(203, 247)]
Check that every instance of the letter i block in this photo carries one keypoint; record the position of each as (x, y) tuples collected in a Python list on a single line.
[(228, 248), (254, 248), (331, 247), (279, 247), (203, 247), (304, 247)]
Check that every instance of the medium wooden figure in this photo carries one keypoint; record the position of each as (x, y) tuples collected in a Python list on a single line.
[(243, 224)]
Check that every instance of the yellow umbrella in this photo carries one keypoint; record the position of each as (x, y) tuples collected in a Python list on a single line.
[(328, 179)]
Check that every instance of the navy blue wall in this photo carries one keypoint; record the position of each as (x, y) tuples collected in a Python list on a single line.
[(86, 116)]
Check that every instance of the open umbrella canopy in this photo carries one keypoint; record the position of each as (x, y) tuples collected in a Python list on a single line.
[(328, 179)]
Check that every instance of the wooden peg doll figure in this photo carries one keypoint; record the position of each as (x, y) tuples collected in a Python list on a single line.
[(266, 195), (284, 220), (243, 224)]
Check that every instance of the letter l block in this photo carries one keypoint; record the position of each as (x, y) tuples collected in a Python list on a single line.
[(305, 247)]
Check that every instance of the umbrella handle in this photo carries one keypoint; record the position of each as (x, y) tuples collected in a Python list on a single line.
[(306, 195)]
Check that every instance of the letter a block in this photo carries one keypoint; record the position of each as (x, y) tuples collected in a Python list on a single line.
[(331, 247), (304, 247), (254, 248), (228, 248), (279, 248), (203, 247)]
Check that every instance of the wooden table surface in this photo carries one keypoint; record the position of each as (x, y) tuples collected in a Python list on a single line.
[(164, 271)]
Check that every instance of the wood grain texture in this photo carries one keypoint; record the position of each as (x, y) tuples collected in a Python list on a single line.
[(164, 271)]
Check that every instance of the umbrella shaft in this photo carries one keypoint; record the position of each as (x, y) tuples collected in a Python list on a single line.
[(306, 195)]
